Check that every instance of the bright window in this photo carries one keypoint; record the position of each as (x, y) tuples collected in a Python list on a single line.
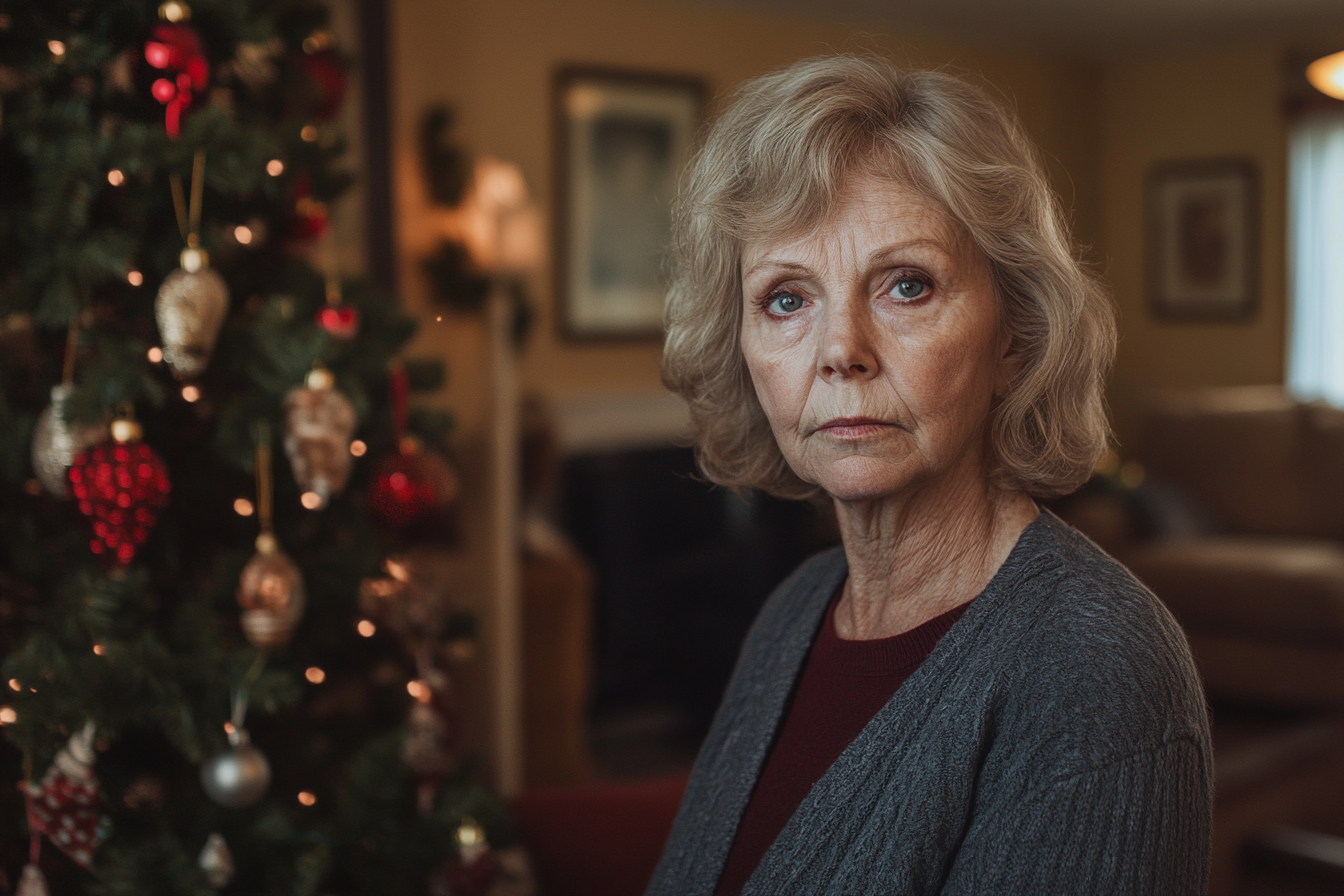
[(1316, 257)]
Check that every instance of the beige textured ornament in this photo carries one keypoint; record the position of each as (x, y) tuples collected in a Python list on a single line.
[(32, 883), (190, 309), (319, 422), (216, 860), (56, 442), (427, 749), (270, 591)]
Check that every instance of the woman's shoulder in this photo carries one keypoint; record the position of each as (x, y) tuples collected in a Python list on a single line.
[(1081, 641)]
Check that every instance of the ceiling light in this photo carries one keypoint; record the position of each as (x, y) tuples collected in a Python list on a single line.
[(1327, 75)]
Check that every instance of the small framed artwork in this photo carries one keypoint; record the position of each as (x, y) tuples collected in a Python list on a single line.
[(1203, 239), (622, 140)]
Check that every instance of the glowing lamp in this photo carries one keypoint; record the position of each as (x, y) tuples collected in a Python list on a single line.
[(1327, 75)]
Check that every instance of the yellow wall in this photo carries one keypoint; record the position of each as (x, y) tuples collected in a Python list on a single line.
[(1213, 103), (493, 60)]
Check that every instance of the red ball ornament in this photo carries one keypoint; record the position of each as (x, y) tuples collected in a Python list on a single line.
[(310, 218), (341, 321), (120, 485), (327, 75), (412, 488)]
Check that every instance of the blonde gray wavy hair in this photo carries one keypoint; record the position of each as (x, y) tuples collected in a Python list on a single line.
[(775, 164)]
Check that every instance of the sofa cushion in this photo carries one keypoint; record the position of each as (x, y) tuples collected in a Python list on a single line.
[(1265, 616), (1239, 451)]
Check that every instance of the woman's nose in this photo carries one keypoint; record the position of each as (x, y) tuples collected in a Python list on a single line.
[(847, 349)]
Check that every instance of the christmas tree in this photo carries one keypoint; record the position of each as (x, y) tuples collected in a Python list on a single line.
[(225, 656)]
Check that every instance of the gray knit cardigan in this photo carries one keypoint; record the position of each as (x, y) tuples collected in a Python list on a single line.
[(1055, 742)]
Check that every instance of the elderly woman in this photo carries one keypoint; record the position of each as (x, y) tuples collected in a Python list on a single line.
[(877, 304)]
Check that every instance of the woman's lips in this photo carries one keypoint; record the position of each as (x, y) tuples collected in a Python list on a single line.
[(852, 427)]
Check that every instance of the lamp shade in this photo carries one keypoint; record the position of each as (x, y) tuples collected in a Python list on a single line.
[(1327, 75)]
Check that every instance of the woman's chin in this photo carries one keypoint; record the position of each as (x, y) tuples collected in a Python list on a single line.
[(861, 480)]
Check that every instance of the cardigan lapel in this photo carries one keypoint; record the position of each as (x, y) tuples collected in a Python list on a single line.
[(744, 727), (841, 802)]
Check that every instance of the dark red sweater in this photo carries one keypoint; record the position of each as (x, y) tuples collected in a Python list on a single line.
[(842, 686)]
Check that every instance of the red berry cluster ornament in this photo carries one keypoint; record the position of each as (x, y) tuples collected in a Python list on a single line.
[(64, 804), (177, 51), (120, 484)]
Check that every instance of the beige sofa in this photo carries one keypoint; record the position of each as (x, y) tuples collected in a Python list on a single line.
[(1260, 592)]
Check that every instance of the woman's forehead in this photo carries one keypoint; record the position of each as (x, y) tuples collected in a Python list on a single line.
[(868, 213)]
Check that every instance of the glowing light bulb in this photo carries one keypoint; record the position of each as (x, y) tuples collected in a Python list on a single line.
[(155, 355), (135, 278), (243, 507), (8, 716), (115, 177), (190, 393), (309, 133), (310, 500), (419, 690), (315, 675), (366, 628), (56, 47), (307, 798), (358, 448), (243, 234), (99, 649), (15, 685), (275, 167)]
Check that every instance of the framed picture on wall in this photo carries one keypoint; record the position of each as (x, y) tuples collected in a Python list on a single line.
[(622, 139), (1203, 239)]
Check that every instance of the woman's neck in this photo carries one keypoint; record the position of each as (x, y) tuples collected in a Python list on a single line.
[(916, 555)]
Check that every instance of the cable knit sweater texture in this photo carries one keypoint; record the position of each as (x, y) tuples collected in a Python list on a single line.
[(1055, 742)]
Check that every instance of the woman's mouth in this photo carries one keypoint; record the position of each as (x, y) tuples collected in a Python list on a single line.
[(852, 427)]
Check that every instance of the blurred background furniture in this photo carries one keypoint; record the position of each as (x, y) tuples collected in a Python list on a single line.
[(1235, 519), (598, 840)]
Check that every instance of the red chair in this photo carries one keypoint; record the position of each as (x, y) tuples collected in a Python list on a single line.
[(598, 839)]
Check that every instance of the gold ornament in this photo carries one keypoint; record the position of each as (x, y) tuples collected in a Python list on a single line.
[(319, 422), (56, 442), (270, 591), (190, 309)]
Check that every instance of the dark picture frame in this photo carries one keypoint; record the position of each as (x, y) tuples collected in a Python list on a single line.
[(622, 139), (1203, 240)]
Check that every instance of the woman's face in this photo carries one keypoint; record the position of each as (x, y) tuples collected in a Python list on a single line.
[(874, 345)]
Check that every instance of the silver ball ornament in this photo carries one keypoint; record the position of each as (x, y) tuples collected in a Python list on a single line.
[(56, 442), (239, 776)]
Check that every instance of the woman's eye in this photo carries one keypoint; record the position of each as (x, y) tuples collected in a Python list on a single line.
[(786, 303), (909, 289)]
